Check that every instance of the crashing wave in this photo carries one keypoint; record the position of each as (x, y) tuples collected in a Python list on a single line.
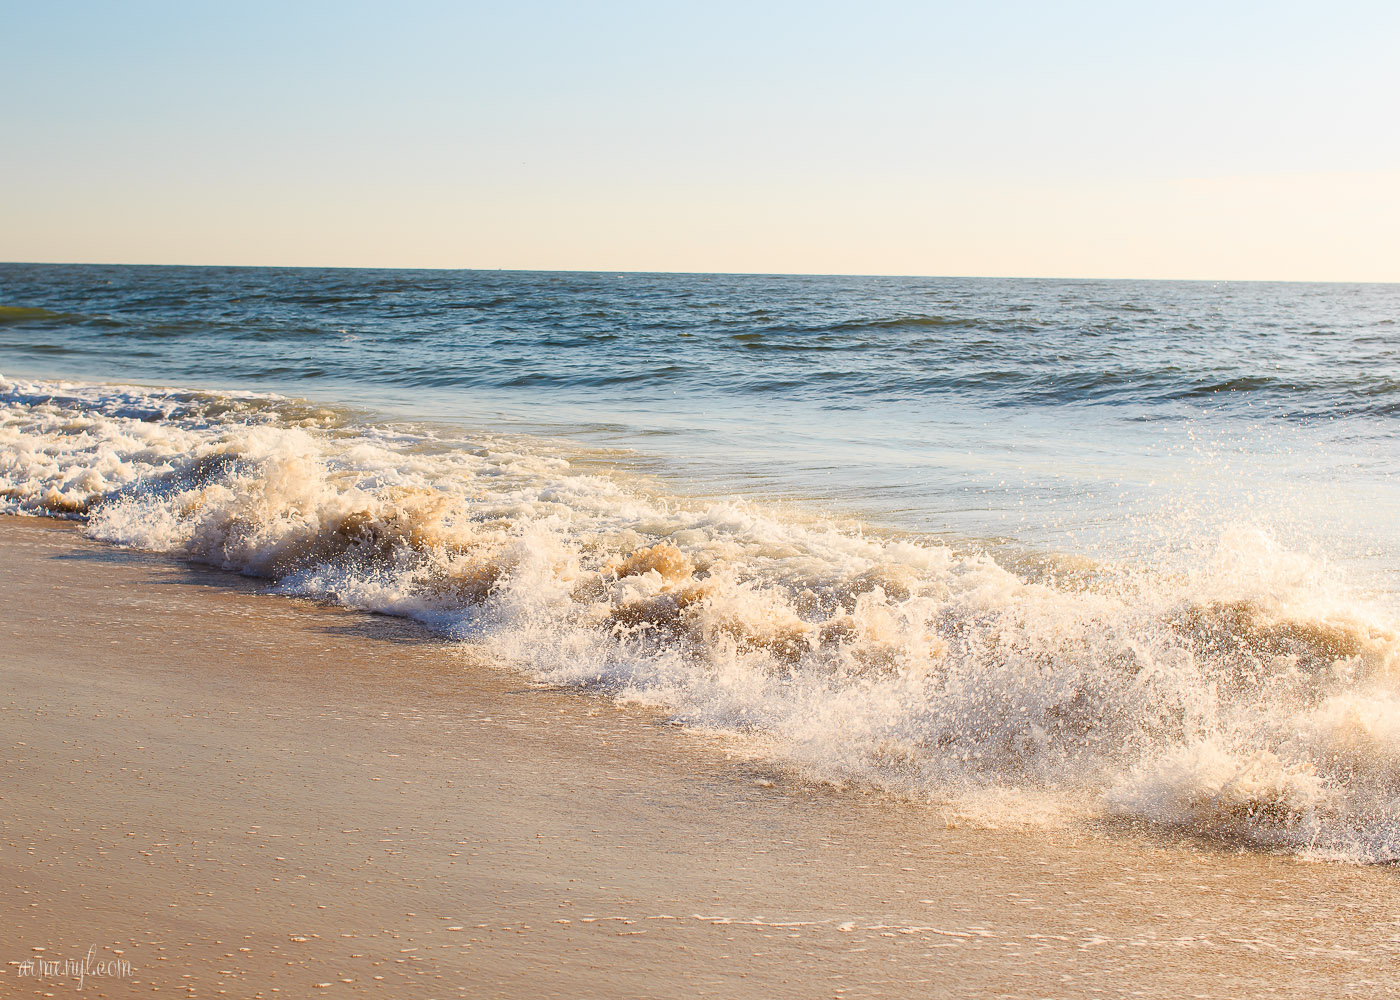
[(1247, 695)]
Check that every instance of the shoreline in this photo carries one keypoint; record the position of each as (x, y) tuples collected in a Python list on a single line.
[(259, 796)]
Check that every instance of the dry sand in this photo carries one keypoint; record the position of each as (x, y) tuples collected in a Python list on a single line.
[(250, 796)]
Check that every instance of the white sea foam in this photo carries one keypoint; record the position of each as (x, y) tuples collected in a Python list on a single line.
[(1244, 692)]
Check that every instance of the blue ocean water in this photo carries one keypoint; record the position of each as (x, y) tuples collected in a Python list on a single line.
[(1039, 551), (1069, 414)]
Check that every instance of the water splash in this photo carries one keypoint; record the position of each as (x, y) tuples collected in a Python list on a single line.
[(1237, 688)]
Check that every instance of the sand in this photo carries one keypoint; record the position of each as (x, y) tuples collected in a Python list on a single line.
[(239, 794)]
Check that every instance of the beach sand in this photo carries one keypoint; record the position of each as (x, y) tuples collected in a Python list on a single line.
[(246, 795)]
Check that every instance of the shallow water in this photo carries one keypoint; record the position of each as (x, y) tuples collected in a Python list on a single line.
[(1042, 550)]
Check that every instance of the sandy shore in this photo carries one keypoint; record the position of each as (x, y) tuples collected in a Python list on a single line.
[(243, 795)]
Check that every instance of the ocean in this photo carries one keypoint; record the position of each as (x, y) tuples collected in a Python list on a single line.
[(1035, 552)]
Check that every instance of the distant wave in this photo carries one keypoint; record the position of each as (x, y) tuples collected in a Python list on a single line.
[(1250, 696), (32, 314), (904, 322)]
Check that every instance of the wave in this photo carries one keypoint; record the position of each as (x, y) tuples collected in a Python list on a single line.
[(49, 318), (1244, 694), (31, 314), (905, 322)]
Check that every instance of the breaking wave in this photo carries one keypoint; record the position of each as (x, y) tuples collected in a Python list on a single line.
[(1246, 694)]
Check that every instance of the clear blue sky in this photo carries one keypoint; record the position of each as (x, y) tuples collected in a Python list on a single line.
[(1187, 140)]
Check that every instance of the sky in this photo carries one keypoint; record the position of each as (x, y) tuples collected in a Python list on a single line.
[(1189, 140)]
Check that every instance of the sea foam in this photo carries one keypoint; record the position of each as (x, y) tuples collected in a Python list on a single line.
[(1246, 693)]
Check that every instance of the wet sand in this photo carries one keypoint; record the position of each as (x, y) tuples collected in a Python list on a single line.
[(245, 795)]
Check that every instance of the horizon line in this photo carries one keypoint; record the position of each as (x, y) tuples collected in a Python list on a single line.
[(718, 274)]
